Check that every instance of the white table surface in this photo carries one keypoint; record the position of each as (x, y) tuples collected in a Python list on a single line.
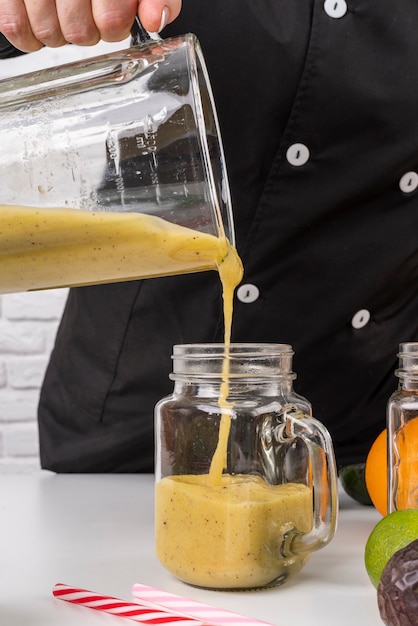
[(96, 532)]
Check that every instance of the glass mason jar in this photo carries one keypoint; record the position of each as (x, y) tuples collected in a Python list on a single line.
[(112, 169), (402, 429), (246, 481)]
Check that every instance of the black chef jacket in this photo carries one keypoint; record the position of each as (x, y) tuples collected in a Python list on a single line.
[(318, 108)]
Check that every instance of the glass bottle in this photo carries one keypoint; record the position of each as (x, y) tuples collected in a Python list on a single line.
[(402, 429), (246, 483)]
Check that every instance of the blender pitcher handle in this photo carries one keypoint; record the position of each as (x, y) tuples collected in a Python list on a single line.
[(324, 483)]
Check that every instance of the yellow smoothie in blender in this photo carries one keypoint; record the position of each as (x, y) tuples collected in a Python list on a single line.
[(46, 248)]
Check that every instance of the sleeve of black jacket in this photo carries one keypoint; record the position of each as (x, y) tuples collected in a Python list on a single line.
[(7, 50)]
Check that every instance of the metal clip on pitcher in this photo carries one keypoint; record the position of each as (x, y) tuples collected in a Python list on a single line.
[(112, 169)]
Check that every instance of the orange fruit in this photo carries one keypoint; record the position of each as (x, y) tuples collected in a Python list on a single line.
[(376, 473), (407, 443), (376, 470)]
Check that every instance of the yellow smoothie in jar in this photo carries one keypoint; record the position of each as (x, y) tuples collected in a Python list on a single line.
[(229, 536), (48, 247)]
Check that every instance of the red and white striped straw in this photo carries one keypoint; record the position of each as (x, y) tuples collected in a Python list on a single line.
[(132, 610), (191, 608)]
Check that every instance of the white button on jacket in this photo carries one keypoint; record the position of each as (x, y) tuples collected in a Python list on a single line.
[(409, 182), (360, 319), (248, 293), (297, 154), (335, 8)]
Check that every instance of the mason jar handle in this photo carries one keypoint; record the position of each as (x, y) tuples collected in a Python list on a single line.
[(324, 483)]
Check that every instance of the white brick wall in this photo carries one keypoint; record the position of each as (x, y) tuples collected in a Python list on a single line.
[(28, 322)]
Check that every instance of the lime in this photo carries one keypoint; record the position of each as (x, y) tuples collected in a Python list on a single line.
[(352, 478), (392, 533)]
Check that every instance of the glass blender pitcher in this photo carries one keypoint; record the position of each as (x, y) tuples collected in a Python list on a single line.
[(112, 169)]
